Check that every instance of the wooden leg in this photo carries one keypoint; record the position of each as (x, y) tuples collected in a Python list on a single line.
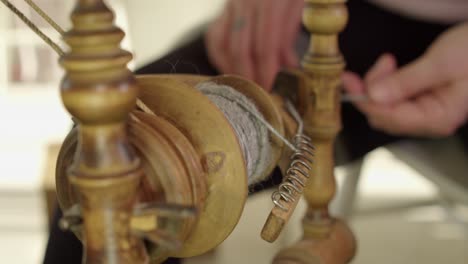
[(326, 239), (337, 248)]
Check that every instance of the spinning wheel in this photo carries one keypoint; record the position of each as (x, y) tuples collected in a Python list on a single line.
[(154, 168)]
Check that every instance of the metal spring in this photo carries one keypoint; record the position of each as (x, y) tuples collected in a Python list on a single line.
[(297, 173)]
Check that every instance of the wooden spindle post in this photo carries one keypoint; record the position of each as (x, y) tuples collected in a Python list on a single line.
[(99, 91), (326, 240), (323, 64)]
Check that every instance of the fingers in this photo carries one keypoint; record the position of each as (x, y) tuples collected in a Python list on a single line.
[(255, 38), (268, 34), (434, 112), (439, 112), (384, 66), (229, 39), (291, 31), (240, 44), (407, 82), (453, 110), (428, 97), (216, 40), (352, 83), (401, 119)]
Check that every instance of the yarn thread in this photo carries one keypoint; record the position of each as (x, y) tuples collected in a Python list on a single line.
[(33, 27), (252, 134), (44, 16), (249, 125)]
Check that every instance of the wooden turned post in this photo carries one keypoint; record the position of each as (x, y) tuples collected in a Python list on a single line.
[(326, 240), (99, 91), (323, 65)]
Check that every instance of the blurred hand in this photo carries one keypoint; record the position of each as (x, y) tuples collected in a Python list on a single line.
[(255, 38), (428, 97)]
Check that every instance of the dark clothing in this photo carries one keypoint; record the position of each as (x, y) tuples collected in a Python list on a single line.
[(370, 32), (63, 247)]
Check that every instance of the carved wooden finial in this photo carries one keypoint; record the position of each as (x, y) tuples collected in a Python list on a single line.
[(324, 19), (99, 91)]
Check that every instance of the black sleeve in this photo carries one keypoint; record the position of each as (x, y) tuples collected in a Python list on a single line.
[(62, 247)]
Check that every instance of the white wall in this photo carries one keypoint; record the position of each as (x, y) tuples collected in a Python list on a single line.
[(157, 25)]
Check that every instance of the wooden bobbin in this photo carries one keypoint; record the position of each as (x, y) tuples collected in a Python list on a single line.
[(190, 156), (272, 112), (218, 152), (194, 114)]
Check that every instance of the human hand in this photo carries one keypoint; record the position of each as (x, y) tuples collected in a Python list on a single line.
[(428, 97), (255, 38)]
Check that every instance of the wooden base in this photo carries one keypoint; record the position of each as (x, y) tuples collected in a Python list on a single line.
[(338, 248)]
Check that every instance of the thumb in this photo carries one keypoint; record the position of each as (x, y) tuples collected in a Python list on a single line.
[(407, 82)]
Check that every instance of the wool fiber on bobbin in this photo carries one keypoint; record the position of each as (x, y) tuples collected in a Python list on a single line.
[(251, 133)]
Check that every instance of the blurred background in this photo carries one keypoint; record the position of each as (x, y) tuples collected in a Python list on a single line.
[(401, 212)]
